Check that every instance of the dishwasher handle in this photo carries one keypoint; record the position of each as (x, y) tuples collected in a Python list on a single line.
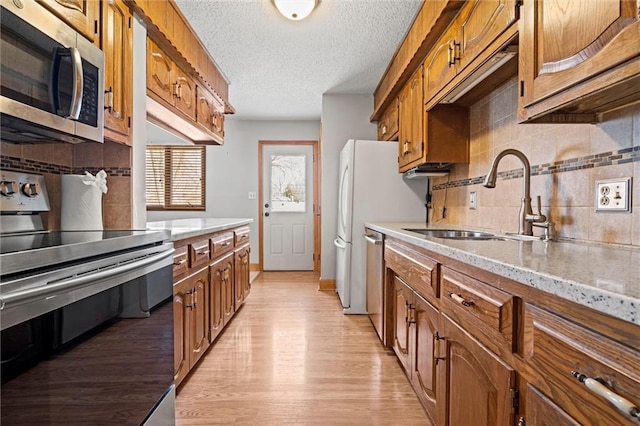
[(372, 240)]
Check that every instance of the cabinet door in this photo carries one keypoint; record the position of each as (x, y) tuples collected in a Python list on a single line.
[(82, 15), (476, 384), (403, 297), (424, 319), (565, 43), (199, 319), (185, 100), (216, 318), (159, 72), (204, 108), (116, 42), (218, 118), (480, 22), (440, 65), (228, 297), (181, 341), (241, 276), (410, 127)]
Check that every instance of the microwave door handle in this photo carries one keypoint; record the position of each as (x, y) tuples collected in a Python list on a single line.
[(78, 84)]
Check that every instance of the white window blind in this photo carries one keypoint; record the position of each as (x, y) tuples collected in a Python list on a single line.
[(175, 177)]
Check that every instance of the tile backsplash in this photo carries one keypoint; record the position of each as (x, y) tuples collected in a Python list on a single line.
[(566, 160), (55, 159)]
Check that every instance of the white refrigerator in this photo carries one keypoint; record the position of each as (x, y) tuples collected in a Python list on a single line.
[(370, 190)]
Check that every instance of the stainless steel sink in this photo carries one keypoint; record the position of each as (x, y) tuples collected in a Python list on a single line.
[(456, 234)]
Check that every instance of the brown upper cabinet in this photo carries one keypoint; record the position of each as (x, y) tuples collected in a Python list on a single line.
[(116, 40), (388, 123), (469, 37), (168, 82), (167, 25), (410, 144), (438, 135), (210, 112), (82, 15), (578, 59)]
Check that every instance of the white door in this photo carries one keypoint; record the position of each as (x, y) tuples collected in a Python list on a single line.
[(287, 194)]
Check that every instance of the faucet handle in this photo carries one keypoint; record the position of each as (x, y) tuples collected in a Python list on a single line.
[(543, 217)]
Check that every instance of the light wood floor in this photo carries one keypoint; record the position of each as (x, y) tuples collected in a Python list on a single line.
[(290, 357)]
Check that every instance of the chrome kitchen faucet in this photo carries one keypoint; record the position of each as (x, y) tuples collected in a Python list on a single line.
[(526, 217)]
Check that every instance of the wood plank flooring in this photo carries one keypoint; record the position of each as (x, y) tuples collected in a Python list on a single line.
[(290, 357)]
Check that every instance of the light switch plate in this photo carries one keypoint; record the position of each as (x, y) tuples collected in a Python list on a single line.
[(613, 195), (252, 195)]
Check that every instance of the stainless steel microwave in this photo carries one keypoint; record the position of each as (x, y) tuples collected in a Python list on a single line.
[(52, 84)]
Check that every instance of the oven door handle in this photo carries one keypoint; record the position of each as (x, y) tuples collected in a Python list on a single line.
[(56, 287)]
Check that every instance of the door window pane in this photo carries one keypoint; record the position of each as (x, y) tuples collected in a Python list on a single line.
[(288, 177)]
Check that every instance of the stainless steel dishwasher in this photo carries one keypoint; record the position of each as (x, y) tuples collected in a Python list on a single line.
[(375, 279)]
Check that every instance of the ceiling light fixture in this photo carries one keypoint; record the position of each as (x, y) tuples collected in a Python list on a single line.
[(295, 10)]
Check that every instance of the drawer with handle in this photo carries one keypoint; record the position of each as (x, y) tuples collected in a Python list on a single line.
[(417, 269), (587, 376), (241, 235), (180, 263), (199, 253), (221, 243), (487, 312)]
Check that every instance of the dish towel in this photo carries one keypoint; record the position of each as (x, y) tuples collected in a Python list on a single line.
[(81, 208)]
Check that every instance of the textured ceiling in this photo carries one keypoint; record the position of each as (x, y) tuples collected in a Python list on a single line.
[(279, 68)]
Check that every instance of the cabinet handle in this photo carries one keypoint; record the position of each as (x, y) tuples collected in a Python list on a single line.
[(108, 103), (203, 253), (226, 243), (194, 296), (461, 300), (622, 404), (451, 54), (436, 349), (175, 90), (188, 299), (406, 148), (412, 314), (180, 262), (406, 312)]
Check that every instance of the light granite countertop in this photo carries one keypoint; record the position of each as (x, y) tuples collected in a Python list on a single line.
[(603, 277), (187, 228)]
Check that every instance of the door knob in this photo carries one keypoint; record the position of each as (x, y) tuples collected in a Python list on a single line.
[(267, 214)]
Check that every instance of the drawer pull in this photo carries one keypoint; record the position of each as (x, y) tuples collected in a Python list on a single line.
[(180, 262), (203, 253), (226, 243), (461, 300), (595, 386)]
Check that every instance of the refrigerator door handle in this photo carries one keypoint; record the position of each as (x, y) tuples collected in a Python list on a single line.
[(339, 243)]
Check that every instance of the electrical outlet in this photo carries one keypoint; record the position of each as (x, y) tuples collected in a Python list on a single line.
[(613, 195), (473, 200)]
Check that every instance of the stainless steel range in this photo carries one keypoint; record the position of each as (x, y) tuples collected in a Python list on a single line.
[(86, 318)]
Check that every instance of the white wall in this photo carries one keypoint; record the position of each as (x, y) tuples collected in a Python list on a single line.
[(232, 170), (343, 117)]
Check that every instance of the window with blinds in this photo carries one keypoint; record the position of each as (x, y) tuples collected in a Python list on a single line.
[(175, 177)]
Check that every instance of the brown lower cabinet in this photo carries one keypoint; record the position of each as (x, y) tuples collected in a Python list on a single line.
[(190, 319), (485, 350), (209, 273), (415, 333)]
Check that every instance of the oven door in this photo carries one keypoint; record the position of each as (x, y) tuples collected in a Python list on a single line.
[(52, 78), (91, 359)]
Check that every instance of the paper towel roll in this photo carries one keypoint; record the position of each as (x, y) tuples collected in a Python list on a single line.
[(81, 208)]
